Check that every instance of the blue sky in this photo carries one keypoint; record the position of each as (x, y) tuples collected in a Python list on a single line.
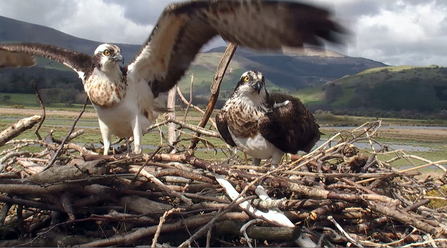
[(396, 32)]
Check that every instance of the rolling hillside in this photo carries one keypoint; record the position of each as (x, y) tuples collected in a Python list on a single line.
[(400, 88), (288, 70)]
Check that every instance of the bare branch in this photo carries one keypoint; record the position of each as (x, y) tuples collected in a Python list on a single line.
[(17, 128), (67, 136), (215, 86), (42, 106)]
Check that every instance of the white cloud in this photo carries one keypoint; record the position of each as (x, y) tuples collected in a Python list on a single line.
[(99, 21), (391, 31), (42, 12), (89, 19), (399, 36)]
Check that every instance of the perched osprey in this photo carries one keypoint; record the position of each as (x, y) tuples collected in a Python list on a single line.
[(266, 125), (124, 96)]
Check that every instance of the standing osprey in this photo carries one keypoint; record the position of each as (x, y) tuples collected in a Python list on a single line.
[(266, 125), (124, 96)]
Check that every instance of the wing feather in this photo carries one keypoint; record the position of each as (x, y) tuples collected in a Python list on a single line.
[(291, 128), (183, 28), (222, 127), (22, 54)]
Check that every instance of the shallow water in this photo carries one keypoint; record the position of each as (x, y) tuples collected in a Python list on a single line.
[(410, 148), (387, 127)]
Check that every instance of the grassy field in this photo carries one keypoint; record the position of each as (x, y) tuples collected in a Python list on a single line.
[(29, 101), (60, 124), (60, 119)]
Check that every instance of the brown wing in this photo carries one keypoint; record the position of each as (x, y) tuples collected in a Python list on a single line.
[(22, 54), (290, 128), (183, 28), (222, 126)]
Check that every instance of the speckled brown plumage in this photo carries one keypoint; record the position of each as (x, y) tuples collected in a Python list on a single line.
[(243, 122), (105, 94), (291, 128)]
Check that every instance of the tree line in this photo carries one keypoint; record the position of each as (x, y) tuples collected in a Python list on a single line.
[(55, 86)]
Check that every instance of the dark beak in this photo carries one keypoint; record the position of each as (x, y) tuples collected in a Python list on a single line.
[(118, 58), (257, 86)]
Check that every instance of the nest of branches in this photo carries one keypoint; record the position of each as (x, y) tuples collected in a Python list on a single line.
[(336, 196)]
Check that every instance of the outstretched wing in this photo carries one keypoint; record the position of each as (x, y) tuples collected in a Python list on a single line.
[(22, 54), (291, 128), (222, 127), (183, 28)]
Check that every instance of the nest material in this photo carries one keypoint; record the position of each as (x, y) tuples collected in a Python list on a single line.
[(337, 195)]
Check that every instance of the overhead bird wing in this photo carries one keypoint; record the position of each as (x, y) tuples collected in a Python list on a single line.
[(22, 54), (222, 127), (183, 28), (291, 127)]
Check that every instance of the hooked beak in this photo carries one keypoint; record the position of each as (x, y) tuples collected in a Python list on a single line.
[(118, 58), (257, 86)]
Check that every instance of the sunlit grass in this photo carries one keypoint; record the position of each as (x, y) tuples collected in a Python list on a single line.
[(60, 126), (312, 95)]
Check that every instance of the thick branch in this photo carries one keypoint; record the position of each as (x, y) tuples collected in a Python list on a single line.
[(215, 86), (18, 128)]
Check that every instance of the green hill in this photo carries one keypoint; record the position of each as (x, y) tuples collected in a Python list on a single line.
[(400, 88)]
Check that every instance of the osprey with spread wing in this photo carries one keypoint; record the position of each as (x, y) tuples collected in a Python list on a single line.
[(124, 96)]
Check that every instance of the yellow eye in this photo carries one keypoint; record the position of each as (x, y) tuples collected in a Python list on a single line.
[(246, 78), (107, 52)]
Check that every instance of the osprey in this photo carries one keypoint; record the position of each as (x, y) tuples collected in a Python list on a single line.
[(266, 125), (124, 96)]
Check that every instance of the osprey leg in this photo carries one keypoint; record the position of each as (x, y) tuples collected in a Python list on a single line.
[(256, 162), (127, 145), (137, 134), (276, 158), (106, 136)]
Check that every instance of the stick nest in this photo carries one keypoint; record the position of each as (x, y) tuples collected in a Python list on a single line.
[(337, 195)]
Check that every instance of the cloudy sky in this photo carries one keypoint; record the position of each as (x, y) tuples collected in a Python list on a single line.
[(396, 32)]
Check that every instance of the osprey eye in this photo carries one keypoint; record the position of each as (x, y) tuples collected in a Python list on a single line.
[(106, 52), (246, 78)]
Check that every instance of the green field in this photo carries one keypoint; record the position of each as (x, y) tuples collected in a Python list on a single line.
[(30, 101), (213, 149), (60, 123), (60, 126)]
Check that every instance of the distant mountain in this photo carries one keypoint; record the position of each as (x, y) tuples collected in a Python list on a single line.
[(300, 68), (290, 69)]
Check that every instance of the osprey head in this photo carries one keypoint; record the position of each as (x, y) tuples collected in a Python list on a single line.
[(251, 89), (251, 83), (108, 55)]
